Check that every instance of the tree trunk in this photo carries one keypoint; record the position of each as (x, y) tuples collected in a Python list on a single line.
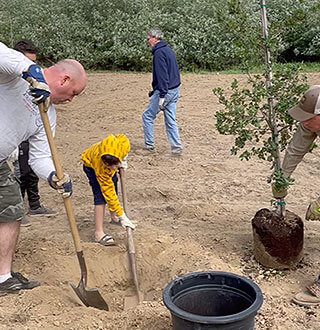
[(277, 240)]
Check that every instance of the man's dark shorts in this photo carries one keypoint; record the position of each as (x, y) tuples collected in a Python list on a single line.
[(11, 204)]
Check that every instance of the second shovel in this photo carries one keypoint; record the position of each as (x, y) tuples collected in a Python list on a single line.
[(130, 301)]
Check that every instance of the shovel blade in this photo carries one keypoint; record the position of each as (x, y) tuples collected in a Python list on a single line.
[(90, 297)]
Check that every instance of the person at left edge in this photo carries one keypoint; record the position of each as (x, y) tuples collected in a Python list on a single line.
[(24, 85), (28, 179)]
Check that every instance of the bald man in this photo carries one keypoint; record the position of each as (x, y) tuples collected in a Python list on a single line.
[(24, 85), (20, 157)]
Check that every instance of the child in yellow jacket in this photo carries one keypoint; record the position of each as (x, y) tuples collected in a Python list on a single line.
[(100, 163)]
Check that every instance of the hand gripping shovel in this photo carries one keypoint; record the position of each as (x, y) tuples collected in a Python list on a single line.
[(89, 297), (131, 301)]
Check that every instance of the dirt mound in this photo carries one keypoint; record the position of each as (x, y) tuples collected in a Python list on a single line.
[(194, 213)]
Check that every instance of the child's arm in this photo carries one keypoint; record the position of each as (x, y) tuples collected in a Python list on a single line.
[(109, 194)]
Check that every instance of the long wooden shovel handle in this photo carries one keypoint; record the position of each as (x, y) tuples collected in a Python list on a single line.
[(57, 165)]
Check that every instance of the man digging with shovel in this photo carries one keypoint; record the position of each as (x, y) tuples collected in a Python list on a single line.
[(24, 85)]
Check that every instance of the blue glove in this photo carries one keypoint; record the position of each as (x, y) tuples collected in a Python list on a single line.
[(64, 185), (39, 88)]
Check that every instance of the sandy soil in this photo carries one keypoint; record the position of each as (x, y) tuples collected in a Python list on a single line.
[(194, 213)]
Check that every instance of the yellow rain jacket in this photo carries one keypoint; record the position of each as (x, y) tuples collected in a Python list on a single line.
[(117, 146)]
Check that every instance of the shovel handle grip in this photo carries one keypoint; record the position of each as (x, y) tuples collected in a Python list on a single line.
[(59, 174)]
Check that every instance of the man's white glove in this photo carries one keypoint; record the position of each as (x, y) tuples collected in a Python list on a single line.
[(161, 103), (124, 163), (125, 221)]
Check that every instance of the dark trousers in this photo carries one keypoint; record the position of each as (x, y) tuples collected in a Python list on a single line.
[(28, 179)]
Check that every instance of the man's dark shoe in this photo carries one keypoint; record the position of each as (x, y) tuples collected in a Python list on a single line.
[(25, 222), (16, 283), (149, 147), (41, 211), (176, 150)]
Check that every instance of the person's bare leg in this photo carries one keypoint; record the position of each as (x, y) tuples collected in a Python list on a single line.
[(9, 233), (98, 221)]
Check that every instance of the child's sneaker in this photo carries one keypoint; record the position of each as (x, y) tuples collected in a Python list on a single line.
[(16, 283), (41, 211)]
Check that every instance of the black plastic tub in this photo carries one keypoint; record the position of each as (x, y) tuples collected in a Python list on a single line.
[(212, 300)]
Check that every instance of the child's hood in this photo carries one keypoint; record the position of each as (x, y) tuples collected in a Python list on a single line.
[(117, 146)]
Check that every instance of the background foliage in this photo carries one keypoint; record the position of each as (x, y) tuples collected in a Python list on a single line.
[(211, 35)]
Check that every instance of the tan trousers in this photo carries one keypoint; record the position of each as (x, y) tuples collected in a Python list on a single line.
[(297, 148)]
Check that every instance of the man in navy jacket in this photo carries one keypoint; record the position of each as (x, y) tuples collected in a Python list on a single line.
[(165, 92)]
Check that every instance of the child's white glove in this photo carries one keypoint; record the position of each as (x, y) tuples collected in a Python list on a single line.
[(126, 222), (124, 163)]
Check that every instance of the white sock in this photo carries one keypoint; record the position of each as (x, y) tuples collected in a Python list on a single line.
[(4, 277)]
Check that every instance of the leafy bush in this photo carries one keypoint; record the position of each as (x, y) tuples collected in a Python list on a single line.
[(107, 34)]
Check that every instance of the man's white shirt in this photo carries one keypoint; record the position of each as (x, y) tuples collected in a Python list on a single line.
[(20, 118)]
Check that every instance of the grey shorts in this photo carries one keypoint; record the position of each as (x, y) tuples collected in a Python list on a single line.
[(11, 204)]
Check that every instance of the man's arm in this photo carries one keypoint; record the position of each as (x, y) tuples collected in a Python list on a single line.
[(12, 62), (40, 158), (15, 64), (161, 69)]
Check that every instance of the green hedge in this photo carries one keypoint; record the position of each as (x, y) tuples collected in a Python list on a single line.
[(205, 34)]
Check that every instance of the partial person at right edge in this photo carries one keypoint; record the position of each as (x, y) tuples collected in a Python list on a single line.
[(24, 85), (307, 112), (165, 92)]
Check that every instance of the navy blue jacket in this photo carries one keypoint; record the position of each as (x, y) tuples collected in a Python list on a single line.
[(165, 72)]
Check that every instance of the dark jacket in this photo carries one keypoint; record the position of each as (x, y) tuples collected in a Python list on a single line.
[(165, 72)]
